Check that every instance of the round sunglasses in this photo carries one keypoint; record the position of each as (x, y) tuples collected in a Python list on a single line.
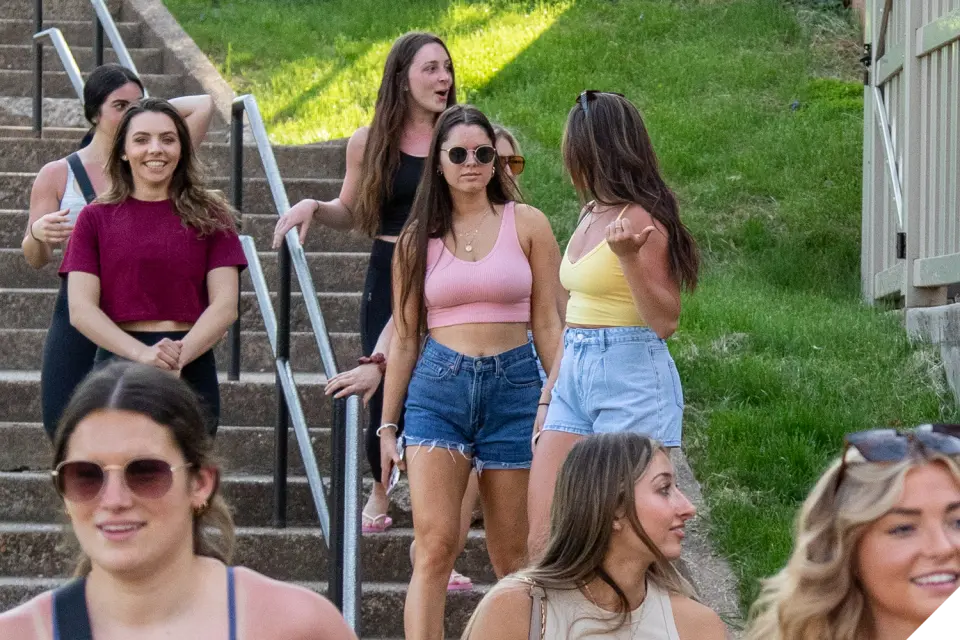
[(484, 154), (83, 481), (516, 163)]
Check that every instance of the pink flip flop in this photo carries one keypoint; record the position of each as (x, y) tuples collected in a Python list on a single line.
[(459, 582), (376, 524)]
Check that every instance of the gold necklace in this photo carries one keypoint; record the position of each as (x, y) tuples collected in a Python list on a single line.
[(473, 235)]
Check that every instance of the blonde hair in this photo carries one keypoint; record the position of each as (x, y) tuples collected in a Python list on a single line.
[(596, 484), (817, 594), (501, 131)]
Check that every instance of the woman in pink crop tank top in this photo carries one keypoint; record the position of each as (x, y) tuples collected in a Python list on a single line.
[(624, 267), (153, 266), (472, 270)]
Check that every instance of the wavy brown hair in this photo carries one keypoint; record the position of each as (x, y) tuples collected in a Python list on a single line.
[(168, 401), (205, 210), (610, 159), (381, 155), (818, 594), (431, 215), (596, 485)]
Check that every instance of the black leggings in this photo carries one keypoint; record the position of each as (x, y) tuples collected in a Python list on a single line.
[(375, 311), (201, 374), (67, 359)]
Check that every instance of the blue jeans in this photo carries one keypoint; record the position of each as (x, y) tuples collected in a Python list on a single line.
[(482, 407), (617, 379)]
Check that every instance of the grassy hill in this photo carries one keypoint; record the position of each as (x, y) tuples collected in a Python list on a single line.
[(755, 108)]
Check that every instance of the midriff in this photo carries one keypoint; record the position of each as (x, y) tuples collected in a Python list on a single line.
[(390, 239), (481, 339), (155, 325)]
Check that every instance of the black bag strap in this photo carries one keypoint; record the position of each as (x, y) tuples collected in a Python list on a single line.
[(86, 187), (70, 618)]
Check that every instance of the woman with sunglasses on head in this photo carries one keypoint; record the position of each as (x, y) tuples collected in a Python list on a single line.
[(62, 188), (878, 542), (624, 267), (139, 484), (473, 269), (617, 526), (153, 266), (384, 164)]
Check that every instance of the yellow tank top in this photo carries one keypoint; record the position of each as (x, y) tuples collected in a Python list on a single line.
[(599, 294)]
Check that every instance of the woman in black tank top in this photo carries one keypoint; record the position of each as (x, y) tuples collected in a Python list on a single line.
[(384, 164)]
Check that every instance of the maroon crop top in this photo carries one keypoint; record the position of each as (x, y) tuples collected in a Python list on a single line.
[(151, 266)]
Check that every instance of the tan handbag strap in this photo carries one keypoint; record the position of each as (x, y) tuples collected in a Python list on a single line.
[(538, 613)]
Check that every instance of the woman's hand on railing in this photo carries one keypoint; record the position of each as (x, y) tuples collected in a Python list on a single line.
[(53, 228), (300, 215), (363, 380)]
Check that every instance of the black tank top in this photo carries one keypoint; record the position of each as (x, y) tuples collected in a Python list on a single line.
[(396, 208)]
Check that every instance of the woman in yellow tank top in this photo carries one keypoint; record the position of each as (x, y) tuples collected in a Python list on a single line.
[(624, 268)]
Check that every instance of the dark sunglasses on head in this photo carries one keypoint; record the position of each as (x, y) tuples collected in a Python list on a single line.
[(892, 445), (484, 154), (516, 163), (591, 94), (82, 481)]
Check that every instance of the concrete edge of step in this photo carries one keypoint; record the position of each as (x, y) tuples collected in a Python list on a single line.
[(715, 581)]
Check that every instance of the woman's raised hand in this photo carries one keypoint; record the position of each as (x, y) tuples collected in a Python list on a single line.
[(300, 215), (52, 228), (622, 240)]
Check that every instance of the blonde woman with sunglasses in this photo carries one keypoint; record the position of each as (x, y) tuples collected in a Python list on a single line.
[(878, 542), (135, 470)]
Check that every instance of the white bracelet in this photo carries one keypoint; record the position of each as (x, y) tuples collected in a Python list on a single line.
[(388, 425)]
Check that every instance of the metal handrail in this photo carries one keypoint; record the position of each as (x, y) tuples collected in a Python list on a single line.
[(105, 21), (342, 532), (66, 57)]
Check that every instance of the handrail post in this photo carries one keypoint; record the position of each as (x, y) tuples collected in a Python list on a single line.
[(338, 446), (97, 41), (37, 70), (236, 199), (353, 489), (283, 411)]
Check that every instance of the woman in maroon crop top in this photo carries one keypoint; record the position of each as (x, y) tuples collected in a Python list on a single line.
[(153, 266)]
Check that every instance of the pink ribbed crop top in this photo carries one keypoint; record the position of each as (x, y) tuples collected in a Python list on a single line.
[(495, 288)]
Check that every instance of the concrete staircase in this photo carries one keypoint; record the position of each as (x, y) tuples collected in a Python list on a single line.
[(31, 522)]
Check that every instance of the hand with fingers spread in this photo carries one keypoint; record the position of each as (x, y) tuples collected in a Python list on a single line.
[(623, 241), (300, 215), (362, 381), (53, 228), (163, 355)]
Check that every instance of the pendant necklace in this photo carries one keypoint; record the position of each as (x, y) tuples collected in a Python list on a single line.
[(473, 235)]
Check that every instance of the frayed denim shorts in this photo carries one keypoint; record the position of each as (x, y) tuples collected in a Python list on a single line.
[(617, 379), (484, 408)]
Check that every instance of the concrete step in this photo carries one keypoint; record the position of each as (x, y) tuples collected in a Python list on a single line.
[(19, 57), (381, 611), (330, 271), (56, 84), (320, 161), (29, 497), (16, 120), (32, 308), (15, 190), (77, 33), (49, 132), (58, 9), (13, 224), (292, 554), (22, 349), (248, 402)]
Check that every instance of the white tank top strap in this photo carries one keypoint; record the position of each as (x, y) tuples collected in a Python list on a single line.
[(72, 196)]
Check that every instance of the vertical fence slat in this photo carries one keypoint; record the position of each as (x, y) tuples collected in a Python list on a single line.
[(953, 173), (943, 242)]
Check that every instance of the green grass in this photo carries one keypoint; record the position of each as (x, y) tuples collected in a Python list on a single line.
[(756, 113)]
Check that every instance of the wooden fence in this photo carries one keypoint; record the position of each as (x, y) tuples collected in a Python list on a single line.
[(911, 151)]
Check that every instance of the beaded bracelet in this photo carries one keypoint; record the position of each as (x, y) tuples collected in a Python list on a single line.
[(378, 359)]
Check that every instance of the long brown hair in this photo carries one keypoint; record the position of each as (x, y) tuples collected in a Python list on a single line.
[(431, 215), (205, 210), (595, 486), (610, 159), (381, 155), (168, 401)]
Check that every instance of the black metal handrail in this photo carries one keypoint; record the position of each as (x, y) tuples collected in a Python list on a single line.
[(342, 530)]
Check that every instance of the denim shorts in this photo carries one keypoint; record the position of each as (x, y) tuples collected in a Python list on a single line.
[(482, 407), (617, 379)]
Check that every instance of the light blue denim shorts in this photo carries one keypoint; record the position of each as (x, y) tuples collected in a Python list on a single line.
[(484, 408), (617, 379)]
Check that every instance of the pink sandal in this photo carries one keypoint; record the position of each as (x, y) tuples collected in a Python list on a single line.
[(375, 524), (459, 582)]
